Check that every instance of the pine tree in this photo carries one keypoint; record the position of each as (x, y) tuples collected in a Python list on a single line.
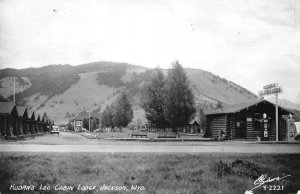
[(179, 98), (123, 113), (154, 106), (107, 116)]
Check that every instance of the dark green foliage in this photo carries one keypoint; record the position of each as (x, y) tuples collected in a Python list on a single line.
[(238, 167), (107, 117), (49, 84), (133, 86), (112, 78), (70, 126), (85, 123), (119, 114), (94, 122), (154, 106), (56, 79), (123, 113), (179, 98)]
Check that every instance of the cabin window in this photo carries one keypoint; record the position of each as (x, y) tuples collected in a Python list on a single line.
[(78, 123), (238, 124)]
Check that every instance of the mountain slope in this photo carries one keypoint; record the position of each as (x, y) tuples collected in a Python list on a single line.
[(284, 102), (63, 91)]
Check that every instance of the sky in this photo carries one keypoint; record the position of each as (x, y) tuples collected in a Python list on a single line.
[(252, 43)]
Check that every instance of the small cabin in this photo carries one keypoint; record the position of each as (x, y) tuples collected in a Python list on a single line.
[(22, 120), (31, 122), (8, 118), (246, 121)]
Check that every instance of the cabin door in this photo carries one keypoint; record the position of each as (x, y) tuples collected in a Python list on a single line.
[(240, 128)]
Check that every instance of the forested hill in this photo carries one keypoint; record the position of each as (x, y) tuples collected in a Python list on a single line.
[(63, 91)]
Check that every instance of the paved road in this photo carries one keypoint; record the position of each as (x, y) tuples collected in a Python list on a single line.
[(68, 142)]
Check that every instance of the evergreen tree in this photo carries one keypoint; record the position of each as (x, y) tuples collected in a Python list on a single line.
[(85, 123), (179, 98), (118, 114), (154, 106), (123, 113), (107, 117)]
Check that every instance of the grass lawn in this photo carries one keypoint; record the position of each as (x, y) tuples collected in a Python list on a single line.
[(150, 173)]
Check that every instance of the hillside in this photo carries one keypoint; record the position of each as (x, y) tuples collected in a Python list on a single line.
[(63, 91)]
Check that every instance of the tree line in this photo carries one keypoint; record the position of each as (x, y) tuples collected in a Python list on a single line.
[(119, 114), (171, 102)]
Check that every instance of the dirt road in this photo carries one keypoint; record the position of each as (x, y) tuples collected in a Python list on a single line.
[(69, 142)]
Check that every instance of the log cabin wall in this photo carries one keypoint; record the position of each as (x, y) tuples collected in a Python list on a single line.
[(253, 131), (282, 130), (217, 123), (232, 128), (2, 124)]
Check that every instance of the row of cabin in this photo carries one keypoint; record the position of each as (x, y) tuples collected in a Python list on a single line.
[(245, 121), (18, 120)]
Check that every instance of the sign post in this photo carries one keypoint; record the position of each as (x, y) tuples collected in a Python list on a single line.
[(272, 89), (276, 96)]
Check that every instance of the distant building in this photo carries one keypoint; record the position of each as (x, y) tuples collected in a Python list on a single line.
[(194, 126), (77, 122)]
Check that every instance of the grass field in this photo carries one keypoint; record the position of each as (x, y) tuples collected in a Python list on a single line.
[(151, 173)]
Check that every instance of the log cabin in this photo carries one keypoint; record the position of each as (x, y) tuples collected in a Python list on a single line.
[(245, 121), (31, 122), (22, 120), (38, 123), (8, 118)]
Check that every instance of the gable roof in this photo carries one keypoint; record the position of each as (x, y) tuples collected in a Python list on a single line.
[(44, 118), (37, 117), (238, 107), (194, 120), (31, 114), (21, 110), (7, 107)]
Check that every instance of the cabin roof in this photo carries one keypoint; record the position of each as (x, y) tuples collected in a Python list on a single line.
[(30, 113), (21, 110), (37, 117), (194, 120), (6, 107), (238, 107)]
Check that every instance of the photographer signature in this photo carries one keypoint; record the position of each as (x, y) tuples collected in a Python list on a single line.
[(263, 180)]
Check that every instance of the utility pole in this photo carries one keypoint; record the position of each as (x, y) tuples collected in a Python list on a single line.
[(273, 89), (276, 97), (14, 89)]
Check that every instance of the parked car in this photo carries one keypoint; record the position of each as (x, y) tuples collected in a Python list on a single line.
[(55, 129)]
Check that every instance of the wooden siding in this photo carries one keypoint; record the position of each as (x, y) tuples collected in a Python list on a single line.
[(218, 123), (251, 131), (232, 126), (282, 130)]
